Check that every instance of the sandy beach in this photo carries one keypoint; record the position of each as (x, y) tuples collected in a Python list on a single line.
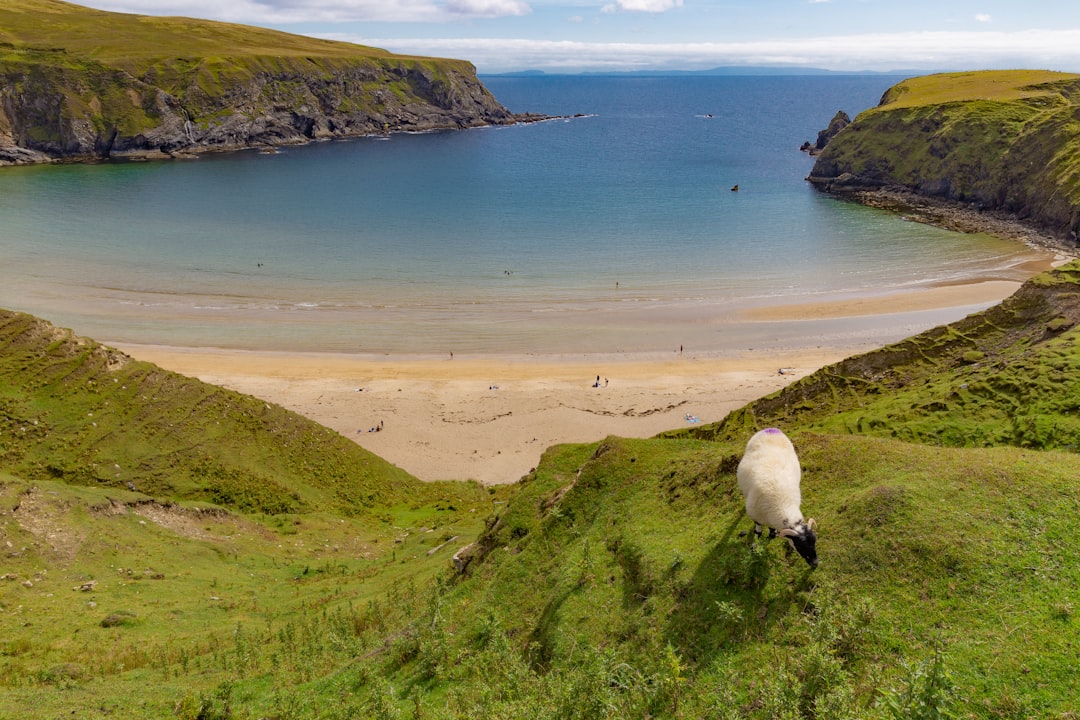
[(490, 417)]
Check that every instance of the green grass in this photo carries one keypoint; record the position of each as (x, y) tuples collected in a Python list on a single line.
[(630, 593), (73, 410), (616, 585), (1007, 376), (612, 582), (149, 47), (638, 567), (183, 598), (1033, 86), (122, 37)]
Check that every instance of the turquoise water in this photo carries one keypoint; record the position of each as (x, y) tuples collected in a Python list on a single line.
[(613, 231)]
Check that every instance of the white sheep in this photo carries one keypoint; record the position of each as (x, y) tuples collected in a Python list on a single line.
[(769, 476)]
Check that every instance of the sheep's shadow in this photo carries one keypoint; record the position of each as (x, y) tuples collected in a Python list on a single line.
[(729, 599)]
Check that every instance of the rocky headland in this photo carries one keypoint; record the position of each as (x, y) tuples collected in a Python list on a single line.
[(78, 84), (993, 151)]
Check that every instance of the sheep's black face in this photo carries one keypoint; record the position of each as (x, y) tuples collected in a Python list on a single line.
[(804, 540)]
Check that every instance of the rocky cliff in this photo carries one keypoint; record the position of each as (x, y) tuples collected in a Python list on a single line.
[(80, 84), (1006, 141)]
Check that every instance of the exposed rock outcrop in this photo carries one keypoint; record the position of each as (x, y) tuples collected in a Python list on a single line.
[(840, 121)]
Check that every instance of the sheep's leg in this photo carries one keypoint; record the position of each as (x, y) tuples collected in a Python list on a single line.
[(772, 533), (757, 531)]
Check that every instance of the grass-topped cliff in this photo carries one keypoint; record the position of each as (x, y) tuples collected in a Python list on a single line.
[(998, 140), (1007, 376), (609, 583), (81, 83)]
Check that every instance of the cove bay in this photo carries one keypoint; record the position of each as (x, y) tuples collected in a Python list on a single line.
[(613, 228)]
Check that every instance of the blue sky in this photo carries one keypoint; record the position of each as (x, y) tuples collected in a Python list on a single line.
[(576, 35)]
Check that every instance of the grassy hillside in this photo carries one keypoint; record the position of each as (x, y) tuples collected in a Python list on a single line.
[(149, 521), (114, 604), (1004, 140), (78, 412), (132, 39), (1007, 376), (612, 582), (617, 586)]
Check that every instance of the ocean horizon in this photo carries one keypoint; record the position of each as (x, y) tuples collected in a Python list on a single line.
[(611, 229)]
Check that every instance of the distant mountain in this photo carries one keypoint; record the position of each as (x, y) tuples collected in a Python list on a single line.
[(727, 70)]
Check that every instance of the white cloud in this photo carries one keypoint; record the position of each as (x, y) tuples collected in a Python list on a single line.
[(651, 6), (982, 17), (1059, 50), (487, 8)]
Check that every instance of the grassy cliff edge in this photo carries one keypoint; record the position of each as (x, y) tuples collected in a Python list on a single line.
[(81, 84), (1004, 141)]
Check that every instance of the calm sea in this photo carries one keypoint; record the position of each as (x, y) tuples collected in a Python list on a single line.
[(613, 231)]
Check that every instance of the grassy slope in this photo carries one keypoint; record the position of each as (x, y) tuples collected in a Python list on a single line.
[(77, 411), (613, 583), (246, 520), (618, 587), (114, 37), (1007, 376), (120, 606), (1003, 139), (170, 51)]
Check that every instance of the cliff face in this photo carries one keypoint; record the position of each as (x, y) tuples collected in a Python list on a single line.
[(996, 140), (59, 100)]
